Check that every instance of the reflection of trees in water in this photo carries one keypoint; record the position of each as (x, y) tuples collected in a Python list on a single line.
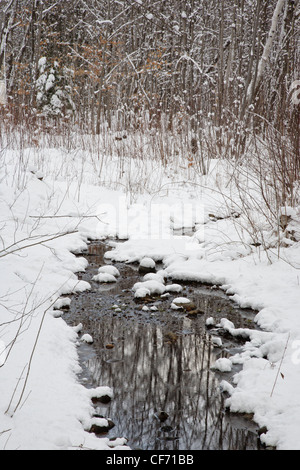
[(149, 375)]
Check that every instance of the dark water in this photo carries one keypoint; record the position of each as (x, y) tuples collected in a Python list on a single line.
[(159, 361)]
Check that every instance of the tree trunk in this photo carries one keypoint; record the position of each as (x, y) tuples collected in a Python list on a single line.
[(255, 84)]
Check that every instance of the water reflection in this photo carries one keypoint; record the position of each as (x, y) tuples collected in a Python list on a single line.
[(159, 362), (149, 374)]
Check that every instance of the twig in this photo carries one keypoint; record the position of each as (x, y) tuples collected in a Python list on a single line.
[(64, 216), (32, 354), (280, 364), (36, 243), (15, 389), (23, 315)]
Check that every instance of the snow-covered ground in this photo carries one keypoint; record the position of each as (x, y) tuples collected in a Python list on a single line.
[(51, 203)]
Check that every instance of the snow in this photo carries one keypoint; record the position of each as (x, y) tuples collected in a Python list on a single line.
[(226, 387), (141, 292), (147, 263), (174, 288), (152, 286), (87, 338), (50, 81), (104, 277), (98, 421), (47, 410), (223, 364), (179, 303), (181, 300), (158, 276), (110, 270), (60, 303), (2, 353), (44, 223), (154, 308), (99, 392), (216, 341), (175, 307)]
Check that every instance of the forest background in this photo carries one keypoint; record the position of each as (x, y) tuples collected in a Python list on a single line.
[(217, 74)]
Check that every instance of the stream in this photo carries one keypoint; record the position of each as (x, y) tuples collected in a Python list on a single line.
[(158, 362)]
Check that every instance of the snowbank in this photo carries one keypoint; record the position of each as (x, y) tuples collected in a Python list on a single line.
[(42, 404)]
